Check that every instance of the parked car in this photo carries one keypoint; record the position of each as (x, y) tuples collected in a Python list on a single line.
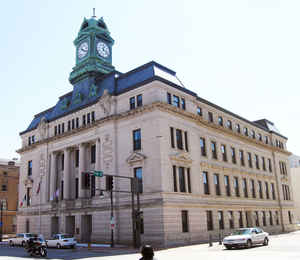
[(61, 240), (246, 237), (21, 239)]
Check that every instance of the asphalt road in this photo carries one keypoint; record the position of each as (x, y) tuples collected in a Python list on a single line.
[(283, 247)]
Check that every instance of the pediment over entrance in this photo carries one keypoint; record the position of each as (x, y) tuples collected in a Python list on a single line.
[(181, 157), (136, 157)]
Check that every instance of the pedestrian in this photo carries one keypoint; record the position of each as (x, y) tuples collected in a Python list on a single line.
[(147, 253)]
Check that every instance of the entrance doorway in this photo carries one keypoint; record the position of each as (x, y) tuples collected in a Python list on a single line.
[(54, 225), (86, 228), (70, 225)]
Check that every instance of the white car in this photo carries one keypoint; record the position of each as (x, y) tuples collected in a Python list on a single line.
[(21, 239), (61, 240), (246, 237)]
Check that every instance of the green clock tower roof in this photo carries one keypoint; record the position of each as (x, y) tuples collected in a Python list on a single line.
[(93, 50)]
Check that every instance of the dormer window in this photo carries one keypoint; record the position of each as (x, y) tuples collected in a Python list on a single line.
[(85, 25), (102, 25)]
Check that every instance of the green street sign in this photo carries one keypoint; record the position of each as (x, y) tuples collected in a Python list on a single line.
[(98, 173)]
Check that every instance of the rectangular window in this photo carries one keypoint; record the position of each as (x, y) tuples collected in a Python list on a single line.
[(139, 100), (172, 137), (273, 191), (238, 128), (217, 184), (266, 140), (260, 192), (186, 141), (227, 185), (210, 117), (29, 140), (55, 130), (214, 150), (245, 131), (242, 157), (253, 189), (93, 116), (179, 139), (245, 189), (231, 219), (76, 188), (63, 127), (59, 129), (202, 146), (29, 168), (76, 158), (93, 153), (73, 124), (4, 187), (220, 121), (199, 111), (62, 162), (32, 139), (176, 101), (138, 173), (256, 218), (253, 134), (136, 134), (77, 122), (256, 161), (270, 165), (233, 158), (209, 220), (259, 137), (183, 103), (69, 125), (277, 218), (263, 163), (132, 103), (267, 190), (174, 178), (28, 197), (224, 154), (271, 218), (236, 186), (189, 180), (264, 218), (62, 190), (290, 217), (205, 182), (241, 223), (184, 219), (88, 118), (169, 98), (83, 120), (229, 124), (221, 220), (250, 160), (181, 179)]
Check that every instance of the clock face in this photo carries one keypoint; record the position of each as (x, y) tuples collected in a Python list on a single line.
[(103, 49), (82, 50)]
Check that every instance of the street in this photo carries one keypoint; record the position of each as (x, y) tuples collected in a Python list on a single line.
[(285, 246)]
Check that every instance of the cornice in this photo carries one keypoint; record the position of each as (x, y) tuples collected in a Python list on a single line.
[(162, 107)]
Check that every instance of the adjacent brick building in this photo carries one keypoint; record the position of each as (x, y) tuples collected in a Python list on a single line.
[(202, 169), (9, 183)]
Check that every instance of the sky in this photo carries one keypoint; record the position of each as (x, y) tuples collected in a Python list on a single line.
[(243, 55)]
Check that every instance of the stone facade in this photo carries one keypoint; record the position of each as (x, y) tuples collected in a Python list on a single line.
[(9, 182), (191, 156), (295, 176)]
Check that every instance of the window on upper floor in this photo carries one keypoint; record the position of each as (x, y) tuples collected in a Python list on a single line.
[(214, 150), (233, 157), (242, 160), (227, 185), (236, 186), (259, 137), (263, 163), (4, 187), (55, 130), (199, 111), (179, 139), (4, 204), (132, 103), (253, 134), (73, 124), (238, 128), (76, 158), (245, 187), (210, 117), (69, 125), (220, 121), (93, 153), (139, 100), (229, 124), (260, 191), (83, 120), (176, 101), (138, 173), (183, 103), (224, 153), (249, 160), (88, 118), (137, 140), (93, 116), (245, 131), (267, 190), (253, 191), (169, 98), (77, 122), (256, 161), (29, 168), (273, 191), (202, 146), (59, 129), (270, 165), (62, 161), (217, 184), (205, 182)]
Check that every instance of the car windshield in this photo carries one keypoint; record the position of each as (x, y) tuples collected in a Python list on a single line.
[(241, 232), (32, 235), (66, 236)]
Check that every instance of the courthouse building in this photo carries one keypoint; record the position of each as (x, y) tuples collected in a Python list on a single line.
[(203, 169)]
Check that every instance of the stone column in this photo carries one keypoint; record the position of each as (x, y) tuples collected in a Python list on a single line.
[(98, 166), (81, 168), (53, 176), (67, 174)]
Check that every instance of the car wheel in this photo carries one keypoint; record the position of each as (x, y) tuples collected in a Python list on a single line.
[(266, 241), (58, 246), (228, 247), (23, 244), (72, 246), (249, 243)]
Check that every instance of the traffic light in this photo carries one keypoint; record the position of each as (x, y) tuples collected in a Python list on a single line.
[(109, 182)]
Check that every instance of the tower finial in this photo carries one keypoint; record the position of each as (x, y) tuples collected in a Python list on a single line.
[(94, 16)]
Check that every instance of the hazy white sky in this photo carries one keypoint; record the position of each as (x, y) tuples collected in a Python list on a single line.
[(243, 55)]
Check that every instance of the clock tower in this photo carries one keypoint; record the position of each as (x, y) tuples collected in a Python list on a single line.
[(93, 50)]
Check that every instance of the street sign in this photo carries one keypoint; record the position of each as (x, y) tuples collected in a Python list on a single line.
[(98, 173)]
